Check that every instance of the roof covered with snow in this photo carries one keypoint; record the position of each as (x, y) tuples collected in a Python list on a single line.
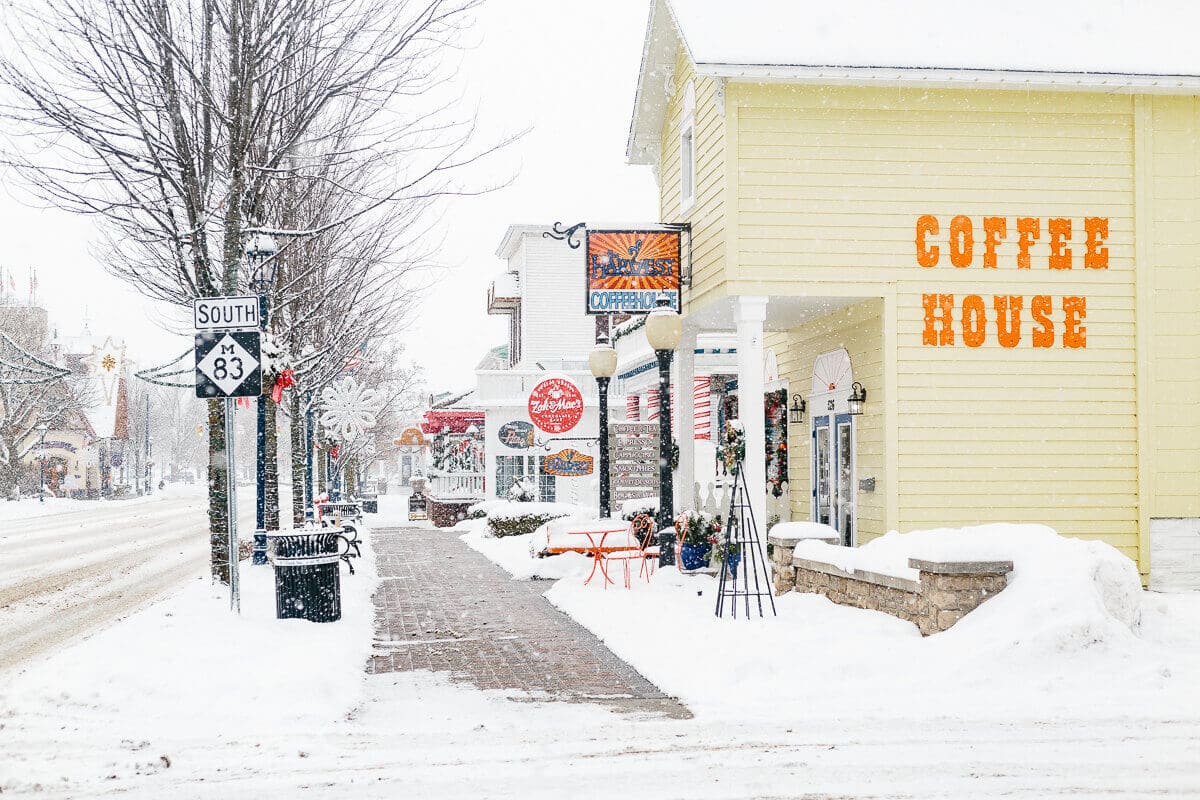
[(1128, 37), (1099, 45)]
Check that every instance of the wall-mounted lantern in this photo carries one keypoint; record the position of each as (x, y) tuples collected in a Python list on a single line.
[(858, 398), (796, 412)]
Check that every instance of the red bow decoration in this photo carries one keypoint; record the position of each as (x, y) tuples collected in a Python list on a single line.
[(286, 380), (333, 452)]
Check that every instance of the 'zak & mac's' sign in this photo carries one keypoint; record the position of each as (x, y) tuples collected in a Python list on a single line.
[(973, 311)]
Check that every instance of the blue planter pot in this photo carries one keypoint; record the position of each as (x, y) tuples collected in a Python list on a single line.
[(694, 556)]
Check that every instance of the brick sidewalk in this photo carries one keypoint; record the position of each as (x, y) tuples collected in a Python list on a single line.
[(444, 607)]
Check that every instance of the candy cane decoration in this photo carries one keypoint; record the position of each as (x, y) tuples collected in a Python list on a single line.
[(633, 408), (652, 405)]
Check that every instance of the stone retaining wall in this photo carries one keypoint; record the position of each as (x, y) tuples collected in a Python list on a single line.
[(945, 592)]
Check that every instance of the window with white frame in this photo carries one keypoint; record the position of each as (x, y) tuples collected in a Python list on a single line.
[(687, 149), (509, 469)]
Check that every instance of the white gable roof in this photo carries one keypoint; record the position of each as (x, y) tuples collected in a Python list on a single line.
[(1095, 45)]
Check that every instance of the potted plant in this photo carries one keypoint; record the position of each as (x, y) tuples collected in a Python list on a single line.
[(722, 550), (693, 530)]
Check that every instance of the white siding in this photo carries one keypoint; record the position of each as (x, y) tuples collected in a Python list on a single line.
[(553, 323)]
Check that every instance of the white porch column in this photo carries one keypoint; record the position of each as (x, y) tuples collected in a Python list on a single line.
[(685, 421), (750, 313)]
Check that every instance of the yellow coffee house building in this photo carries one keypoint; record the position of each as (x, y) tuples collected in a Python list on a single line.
[(990, 221)]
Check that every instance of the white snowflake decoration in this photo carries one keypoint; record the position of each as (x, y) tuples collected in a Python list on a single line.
[(350, 409)]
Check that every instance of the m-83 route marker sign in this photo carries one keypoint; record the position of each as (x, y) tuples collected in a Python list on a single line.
[(228, 364)]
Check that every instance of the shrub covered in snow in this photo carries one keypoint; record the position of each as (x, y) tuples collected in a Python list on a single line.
[(517, 518), (522, 491), (639, 505)]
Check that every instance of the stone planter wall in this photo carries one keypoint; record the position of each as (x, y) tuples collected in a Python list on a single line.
[(945, 592), (891, 595)]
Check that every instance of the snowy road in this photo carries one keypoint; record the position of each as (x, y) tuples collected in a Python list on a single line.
[(67, 575)]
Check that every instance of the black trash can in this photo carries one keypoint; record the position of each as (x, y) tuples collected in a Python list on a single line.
[(307, 574)]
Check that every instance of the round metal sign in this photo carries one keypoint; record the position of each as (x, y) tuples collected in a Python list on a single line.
[(556, 405)]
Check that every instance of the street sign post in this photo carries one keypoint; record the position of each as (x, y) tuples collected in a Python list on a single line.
[(226, 313), (228, 365)]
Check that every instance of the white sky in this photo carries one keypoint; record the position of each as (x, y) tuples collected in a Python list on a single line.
[(568, 71)]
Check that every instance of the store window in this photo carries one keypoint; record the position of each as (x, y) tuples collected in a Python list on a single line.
[(509, 469), (687, 149), (547, 488)]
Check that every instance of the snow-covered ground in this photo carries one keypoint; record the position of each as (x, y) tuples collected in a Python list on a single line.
[(31, 507), (75, 566), (188, 701)]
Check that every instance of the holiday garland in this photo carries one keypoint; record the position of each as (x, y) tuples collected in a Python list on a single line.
[(775, 414)]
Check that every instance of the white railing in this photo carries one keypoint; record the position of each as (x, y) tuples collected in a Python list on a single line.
[(458, 486)]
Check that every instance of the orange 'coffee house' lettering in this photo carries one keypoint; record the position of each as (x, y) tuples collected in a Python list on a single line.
[(1004, 319), (1050, 322), (963, 245)]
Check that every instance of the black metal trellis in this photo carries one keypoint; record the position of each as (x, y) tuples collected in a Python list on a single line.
[(744, 560)]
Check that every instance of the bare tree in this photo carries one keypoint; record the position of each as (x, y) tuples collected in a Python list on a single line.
[(30, 393), (187, 124)]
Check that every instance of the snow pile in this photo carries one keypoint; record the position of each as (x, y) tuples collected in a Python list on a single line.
[(804, 530), (1072, 634), (516, 554), (1063, 593)]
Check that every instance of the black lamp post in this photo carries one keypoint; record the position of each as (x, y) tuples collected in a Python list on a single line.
[(664, 328), (603, 363), (42, 428), (260, 250)]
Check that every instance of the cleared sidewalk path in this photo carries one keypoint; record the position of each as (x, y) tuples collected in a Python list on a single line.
[(443, 607)]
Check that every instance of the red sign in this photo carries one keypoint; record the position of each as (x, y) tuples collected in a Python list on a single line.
[(555, 405)]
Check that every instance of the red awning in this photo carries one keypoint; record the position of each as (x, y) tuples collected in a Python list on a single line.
[(456, 421)]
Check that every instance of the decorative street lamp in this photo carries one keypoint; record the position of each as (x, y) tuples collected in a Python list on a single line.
[(260, 251), (857, 399), (603, 363), (664, 328), (42, 428), (796, 412)]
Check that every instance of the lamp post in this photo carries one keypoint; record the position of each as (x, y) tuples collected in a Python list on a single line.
[(308, 458), (260, 251), (603, 363), (42, 428), (663, 330)]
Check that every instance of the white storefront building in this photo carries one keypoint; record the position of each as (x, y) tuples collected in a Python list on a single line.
[(550, 337)]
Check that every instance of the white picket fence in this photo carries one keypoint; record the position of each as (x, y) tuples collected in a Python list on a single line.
[(713, 499)]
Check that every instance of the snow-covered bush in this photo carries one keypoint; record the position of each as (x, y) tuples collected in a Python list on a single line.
[(517, 518), (639, 505), (522, 491)]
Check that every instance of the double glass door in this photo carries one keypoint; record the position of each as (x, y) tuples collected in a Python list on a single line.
[(833, 473)]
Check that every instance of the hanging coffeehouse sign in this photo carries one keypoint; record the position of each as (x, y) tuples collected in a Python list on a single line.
[(627, 271)]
